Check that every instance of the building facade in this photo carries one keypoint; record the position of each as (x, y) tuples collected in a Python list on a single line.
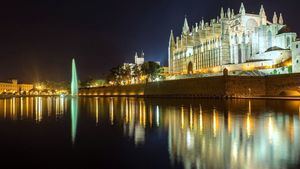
[(14, 87), (235, 41), (139, 60)]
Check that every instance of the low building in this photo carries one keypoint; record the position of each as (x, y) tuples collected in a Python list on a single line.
[(13, 87)]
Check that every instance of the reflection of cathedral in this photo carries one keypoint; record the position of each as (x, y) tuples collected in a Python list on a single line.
[(206, 137), (234, 41)]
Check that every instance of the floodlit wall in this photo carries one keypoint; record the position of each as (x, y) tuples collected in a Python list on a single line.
[(221, 86)]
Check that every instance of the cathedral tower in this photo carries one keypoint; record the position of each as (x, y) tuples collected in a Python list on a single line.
[(171, 49)]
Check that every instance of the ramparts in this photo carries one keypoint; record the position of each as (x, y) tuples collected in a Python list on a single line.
[(218, 86)]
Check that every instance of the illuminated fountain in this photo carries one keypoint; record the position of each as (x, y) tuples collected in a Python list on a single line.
[(74, 102), (74, 83)]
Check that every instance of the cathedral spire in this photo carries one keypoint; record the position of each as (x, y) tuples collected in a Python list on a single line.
[(280, 19), (275, 18), (229, 13), (171, 40), (222, 13), (242, 9), (262, 12), (232, 13), (185, 28), (142, 54)]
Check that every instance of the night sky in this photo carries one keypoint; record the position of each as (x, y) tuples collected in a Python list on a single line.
[(38, 38)]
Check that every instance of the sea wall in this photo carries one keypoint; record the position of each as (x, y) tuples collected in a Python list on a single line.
[(283, 85), (245, 86), (220, 86)]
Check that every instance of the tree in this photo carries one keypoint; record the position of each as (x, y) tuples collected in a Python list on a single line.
[(151, 70), (137, 73)]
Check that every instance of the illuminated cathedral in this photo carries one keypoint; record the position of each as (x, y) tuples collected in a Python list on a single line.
[(235, 41)]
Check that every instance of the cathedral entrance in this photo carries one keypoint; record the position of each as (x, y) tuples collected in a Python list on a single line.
[(190, 68)]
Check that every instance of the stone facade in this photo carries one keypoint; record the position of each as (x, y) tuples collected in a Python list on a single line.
[(230, 39), (13, 87)]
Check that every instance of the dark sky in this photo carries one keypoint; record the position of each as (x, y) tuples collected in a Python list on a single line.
[(38, 38)]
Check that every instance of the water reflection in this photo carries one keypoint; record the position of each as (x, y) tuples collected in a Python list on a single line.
[(74, 117), (32, 108), (241, 134), (199, 133)]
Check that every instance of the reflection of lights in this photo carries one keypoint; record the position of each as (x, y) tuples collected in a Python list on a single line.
[(140, 112), (191, 117), (189, 140), (38, 109), (271, 129), (151, 116), (74, 116), (49, 106), (299, 112), (139, 135), (214, 123), (248, 126), (144, 115), (61, 105), (14, 108), (21, 107), (126, 111), (57, 106), (111, 111), (27, 106), (234, 151), (229, 122), (157, 115), (249, 107), (200, 120), (97, 110), (4, 108), (182, 117)]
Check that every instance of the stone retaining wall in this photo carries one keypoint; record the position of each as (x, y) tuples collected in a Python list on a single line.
[(220, 86)]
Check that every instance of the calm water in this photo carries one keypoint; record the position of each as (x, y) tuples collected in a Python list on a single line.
[(95, 132)]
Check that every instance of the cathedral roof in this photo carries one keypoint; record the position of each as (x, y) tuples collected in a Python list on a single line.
[(284, 29)]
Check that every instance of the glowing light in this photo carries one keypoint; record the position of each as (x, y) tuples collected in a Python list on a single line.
[(157, 115), (74, 83)]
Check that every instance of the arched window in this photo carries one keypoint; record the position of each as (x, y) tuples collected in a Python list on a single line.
[(269, 39)]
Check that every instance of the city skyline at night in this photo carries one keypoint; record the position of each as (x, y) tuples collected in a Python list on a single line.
[(42, 36)]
